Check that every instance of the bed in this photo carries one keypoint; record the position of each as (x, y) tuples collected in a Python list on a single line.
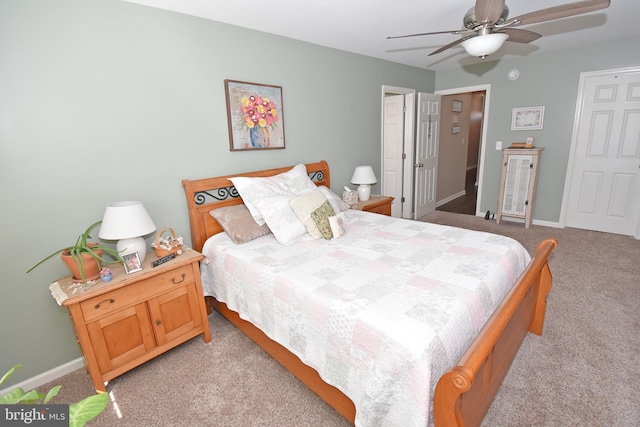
[(460, 391)]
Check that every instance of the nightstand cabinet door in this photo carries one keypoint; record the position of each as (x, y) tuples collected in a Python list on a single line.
[(121, 337), (175, 313)]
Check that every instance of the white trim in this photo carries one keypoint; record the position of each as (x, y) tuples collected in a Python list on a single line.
[(450, 198), (485, 126), (533, 221), (48, 376)]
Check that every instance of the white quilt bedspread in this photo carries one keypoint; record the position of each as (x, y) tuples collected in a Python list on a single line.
[(380, 313)]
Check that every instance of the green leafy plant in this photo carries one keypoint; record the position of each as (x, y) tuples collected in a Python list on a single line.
[(79, 413), (82, 246)]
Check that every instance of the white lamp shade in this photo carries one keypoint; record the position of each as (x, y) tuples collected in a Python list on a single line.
[(484, 45), (364, 176), (127, 220)]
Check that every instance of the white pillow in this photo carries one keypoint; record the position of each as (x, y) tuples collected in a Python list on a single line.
[(281, 219), (303, 205), (337, 203), (294, 181)]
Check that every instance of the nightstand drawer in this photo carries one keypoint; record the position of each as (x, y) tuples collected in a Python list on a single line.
[(110, 302)]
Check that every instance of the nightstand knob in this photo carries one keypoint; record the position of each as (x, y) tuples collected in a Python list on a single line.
[(173, 279), (158, 322)]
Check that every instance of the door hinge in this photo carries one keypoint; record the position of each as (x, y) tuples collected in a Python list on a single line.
[(402, 199), (530, 165), (404, 156)]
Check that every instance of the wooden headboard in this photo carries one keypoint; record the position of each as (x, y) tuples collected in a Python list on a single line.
[(204, 195)]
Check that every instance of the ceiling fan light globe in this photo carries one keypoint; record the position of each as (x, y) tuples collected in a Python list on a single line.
[(484, 45)]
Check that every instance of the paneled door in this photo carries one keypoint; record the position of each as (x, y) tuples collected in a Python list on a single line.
[(603, 188), (426, 158), (393, 151)]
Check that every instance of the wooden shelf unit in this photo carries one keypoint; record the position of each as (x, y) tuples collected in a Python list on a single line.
[(518, 183)]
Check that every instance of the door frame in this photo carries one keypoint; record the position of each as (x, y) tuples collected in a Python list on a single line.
[(574, 139), (406, 207), (483, 138)]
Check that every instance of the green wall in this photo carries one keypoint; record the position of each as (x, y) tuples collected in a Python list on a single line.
[(105, 100), (550, 80)]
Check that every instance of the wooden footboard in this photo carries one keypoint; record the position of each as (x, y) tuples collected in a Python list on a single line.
[(464, 393)]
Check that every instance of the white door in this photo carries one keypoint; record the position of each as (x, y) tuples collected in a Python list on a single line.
[(426, 154), (603, 183), (392, 151)]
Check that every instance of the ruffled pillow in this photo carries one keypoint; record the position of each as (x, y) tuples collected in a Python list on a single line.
[(292, 182)]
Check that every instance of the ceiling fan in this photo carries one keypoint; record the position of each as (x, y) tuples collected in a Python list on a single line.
[(487, 25)]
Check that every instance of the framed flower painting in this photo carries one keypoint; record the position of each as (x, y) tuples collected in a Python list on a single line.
[(255, 116)]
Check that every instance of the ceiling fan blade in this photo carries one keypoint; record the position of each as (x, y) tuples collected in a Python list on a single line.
[(450, 45), (427, 34), (563, 11), (520, 36), (488, 10)]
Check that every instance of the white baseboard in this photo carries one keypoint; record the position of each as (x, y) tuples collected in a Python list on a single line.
[(46, 377), (450, 198), (533, 221)]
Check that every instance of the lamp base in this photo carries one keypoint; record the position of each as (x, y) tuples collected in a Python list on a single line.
[(364, 192), (129, 246)]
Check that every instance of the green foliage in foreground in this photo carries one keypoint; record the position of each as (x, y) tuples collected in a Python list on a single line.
[(79, 413)]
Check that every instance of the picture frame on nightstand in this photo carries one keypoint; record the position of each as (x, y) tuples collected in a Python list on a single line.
[(132, 262)]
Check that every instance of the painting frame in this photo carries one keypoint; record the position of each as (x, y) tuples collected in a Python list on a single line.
[(456, 106), (255, 116), (527, 118)]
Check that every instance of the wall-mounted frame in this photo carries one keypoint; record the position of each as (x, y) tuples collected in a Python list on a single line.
[(455, 119), (527, 118), (456, 106), (132, 262), (255, 116), (455, 129)]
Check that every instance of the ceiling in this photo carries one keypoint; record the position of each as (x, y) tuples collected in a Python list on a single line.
[(361, 26)]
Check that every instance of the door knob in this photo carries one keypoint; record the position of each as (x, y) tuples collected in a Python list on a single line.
[(418, 165)]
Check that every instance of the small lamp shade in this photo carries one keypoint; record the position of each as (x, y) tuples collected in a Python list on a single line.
[(364, 176), (127, 222)]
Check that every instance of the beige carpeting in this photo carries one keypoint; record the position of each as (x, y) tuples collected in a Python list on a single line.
[(583, 371)]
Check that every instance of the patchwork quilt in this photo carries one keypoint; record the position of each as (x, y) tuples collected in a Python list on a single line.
[(380, 313)]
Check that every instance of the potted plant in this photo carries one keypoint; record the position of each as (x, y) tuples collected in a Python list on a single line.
[(84, 259)]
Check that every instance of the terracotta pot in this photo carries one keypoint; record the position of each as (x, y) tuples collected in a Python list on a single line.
[(91, 266)]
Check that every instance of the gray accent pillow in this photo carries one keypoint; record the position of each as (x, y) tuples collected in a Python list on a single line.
[(238, 223)]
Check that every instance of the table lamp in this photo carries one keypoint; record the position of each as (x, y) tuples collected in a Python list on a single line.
[(364, 176), (127, 222)]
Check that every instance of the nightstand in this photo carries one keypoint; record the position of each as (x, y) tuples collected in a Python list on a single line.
[(376, 204), (135, 317)]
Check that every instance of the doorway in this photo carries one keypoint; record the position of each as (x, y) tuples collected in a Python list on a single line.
[(398, 112), (462, 149)]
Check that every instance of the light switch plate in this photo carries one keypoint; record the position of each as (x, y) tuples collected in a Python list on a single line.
[(498, 145)]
